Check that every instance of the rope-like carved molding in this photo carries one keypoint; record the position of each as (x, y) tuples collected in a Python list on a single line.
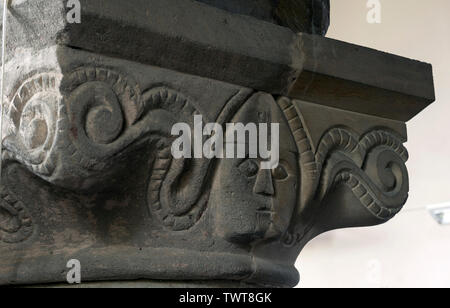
[(16, 224), (381, 185), (309, 171), (177, 208), (380, 138), (366, 195), (339, 139)]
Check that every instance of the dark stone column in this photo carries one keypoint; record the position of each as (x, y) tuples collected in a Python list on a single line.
[(88, 171), (310, 16)]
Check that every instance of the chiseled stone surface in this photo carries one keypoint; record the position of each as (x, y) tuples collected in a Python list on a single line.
[(88, 173), (182, 35), (364, 80), (310, 16)]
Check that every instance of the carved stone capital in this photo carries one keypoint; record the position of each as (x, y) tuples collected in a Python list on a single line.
[(88, 171)]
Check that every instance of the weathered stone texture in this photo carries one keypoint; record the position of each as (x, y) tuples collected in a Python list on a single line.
[(310, 16), (88, 172)]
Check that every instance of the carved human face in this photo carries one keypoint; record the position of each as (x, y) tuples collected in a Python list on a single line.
[(252, 203)]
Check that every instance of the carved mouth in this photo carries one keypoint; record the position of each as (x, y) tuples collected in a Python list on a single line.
[(266, 209), (269, 212)]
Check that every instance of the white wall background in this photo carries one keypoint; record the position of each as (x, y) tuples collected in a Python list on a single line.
[(412, 250)]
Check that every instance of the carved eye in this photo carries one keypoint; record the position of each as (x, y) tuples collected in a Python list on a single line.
[(249, 168), (280, 173)]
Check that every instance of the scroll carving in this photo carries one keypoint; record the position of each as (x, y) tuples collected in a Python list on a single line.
[(75, 142), (179, 189), (380, 182), (71, 131), (371, 166), (75, 131), (33, 123)]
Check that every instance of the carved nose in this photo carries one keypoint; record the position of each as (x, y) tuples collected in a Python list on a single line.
[(264, 184)]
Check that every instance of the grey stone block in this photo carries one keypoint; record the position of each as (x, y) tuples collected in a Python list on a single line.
[(181, 35), (364, 80), (310, 16)]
